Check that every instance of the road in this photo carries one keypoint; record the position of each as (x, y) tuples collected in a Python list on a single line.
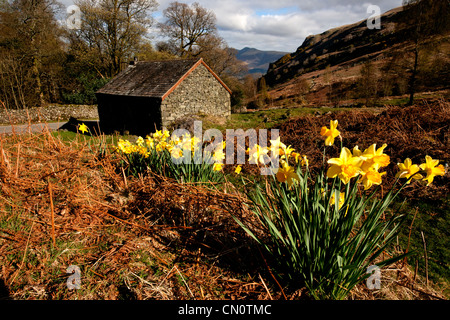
[(35, 127)]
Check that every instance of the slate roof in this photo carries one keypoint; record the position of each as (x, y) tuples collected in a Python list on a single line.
[(154, 79)]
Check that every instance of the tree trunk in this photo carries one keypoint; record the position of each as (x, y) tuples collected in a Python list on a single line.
[(39, 94), (412, 80)]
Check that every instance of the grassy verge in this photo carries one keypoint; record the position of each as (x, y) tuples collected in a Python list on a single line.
[(428, 237), (270, 118)]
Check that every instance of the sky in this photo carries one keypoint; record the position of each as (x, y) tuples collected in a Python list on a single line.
[(280, 25)]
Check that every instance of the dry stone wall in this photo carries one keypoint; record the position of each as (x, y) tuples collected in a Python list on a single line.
[(48, 113)]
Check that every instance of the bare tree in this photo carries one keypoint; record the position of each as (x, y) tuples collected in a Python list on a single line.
[(428, 18), (29, 40), (115, 28), (367, 85), (186, 26), (192, 32), (221, 58)]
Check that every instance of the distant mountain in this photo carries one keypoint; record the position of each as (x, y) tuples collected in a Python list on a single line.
[(258, 61)]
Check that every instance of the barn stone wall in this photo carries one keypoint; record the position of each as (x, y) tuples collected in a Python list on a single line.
[(199, 93)]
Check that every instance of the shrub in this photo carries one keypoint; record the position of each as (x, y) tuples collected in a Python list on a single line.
[(86, 95)]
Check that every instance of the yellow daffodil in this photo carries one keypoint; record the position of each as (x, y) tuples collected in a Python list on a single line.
[(218, 166), (161, 135), (238, 169), (176, 152), (195, 143), (157, 135), (161, 146), (370, 178), (345, 167), (356, 152), (140, 141), (143, 151), (286, 152), (149, 142), (296, 156), (276, 147), (407, 170), (432, 169), (374, 157), (287, 174), (185, 143), (257, 154), (127, 147), (124, 145), (218, 155), (305, 161), (341, 199), (331, 133), (83, 128)]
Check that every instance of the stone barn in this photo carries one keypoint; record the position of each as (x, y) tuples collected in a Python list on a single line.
[(153, 94)]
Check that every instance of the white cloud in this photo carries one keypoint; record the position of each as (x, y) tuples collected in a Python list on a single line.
[(281, 24)]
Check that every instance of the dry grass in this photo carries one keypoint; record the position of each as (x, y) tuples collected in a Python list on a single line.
[(147, 238), (67, 203), (414, 132)]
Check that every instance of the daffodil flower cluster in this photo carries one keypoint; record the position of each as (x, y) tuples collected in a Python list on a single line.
[(366, 164), (431, 168), (178, 156), (127, 147), (159, 141)]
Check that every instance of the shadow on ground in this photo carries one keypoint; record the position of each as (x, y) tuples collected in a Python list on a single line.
[(4, 291), (73, 124)]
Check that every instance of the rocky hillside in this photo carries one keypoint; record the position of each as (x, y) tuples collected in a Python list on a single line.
[(345, 46), (336, 46)]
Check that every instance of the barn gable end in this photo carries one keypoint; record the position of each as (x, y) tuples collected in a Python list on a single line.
[(199, 92)]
